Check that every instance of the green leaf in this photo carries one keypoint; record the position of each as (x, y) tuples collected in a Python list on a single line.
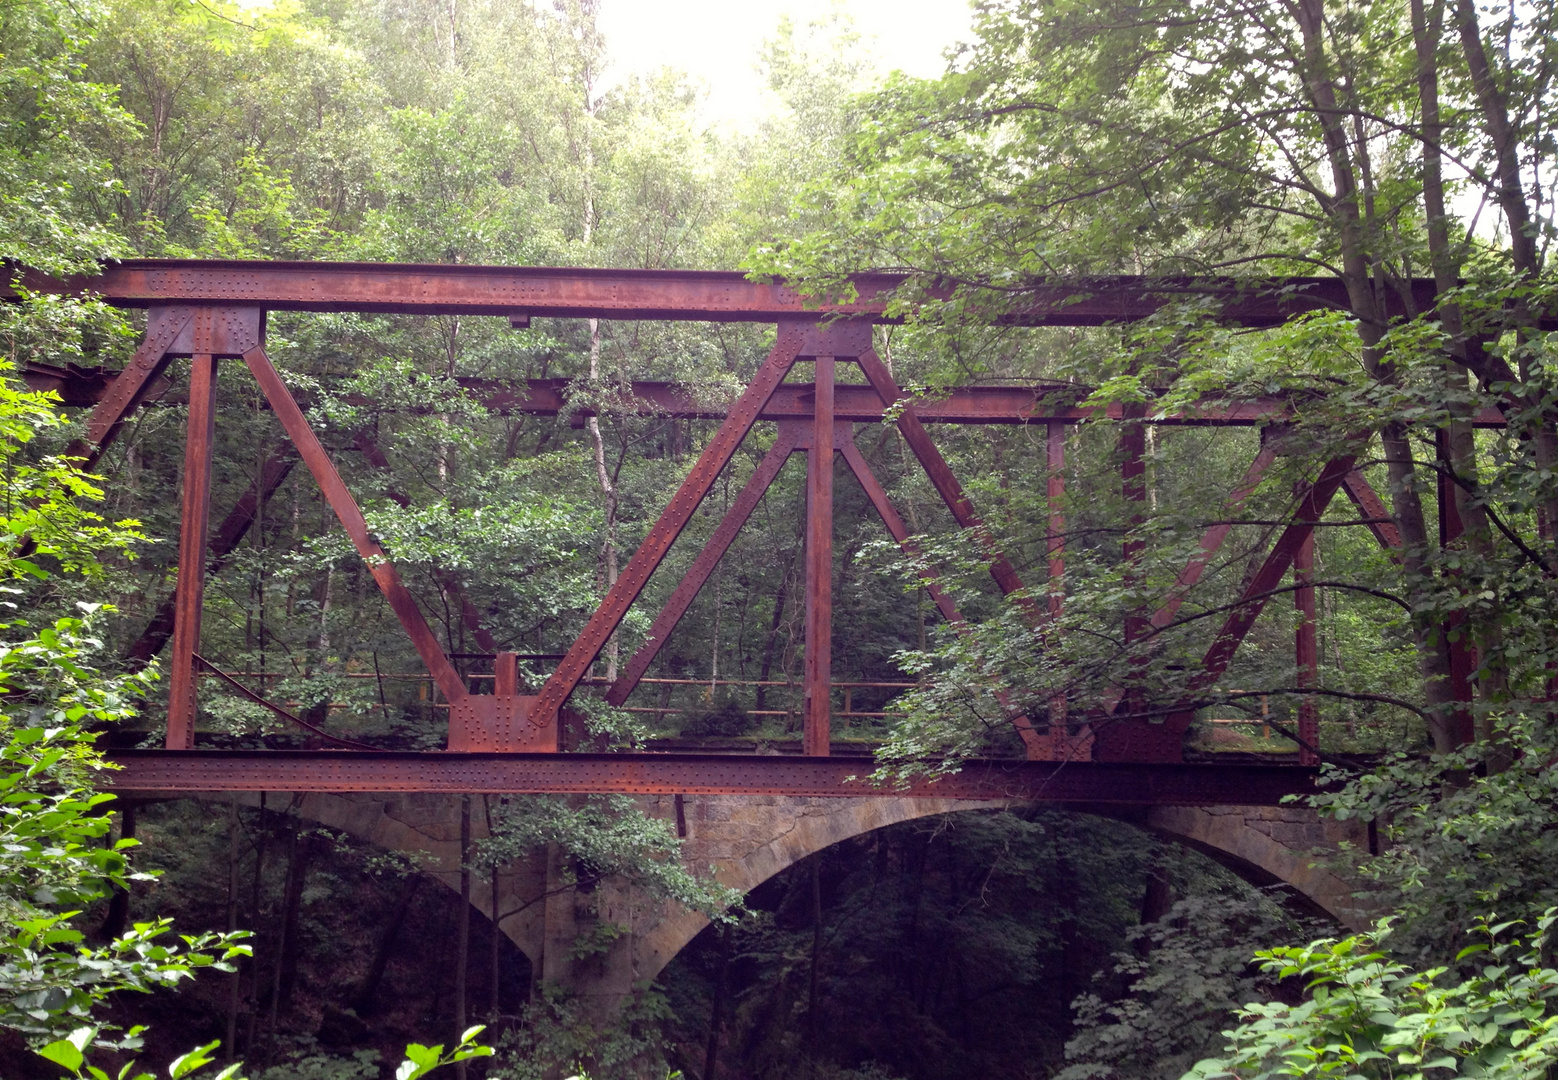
[(185, 1064), (64, 1054)]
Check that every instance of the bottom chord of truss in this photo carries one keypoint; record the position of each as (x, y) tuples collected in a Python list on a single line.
[(174, 771)]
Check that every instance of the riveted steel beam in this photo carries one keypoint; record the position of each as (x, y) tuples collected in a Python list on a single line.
[(1132, 783), (350, 516), (713, 295)]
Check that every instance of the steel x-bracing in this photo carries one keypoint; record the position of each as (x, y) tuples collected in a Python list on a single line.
[(509, 742)]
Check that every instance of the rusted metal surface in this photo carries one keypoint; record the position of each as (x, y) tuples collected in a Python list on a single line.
[(1311, 509), (1039, 404), (1212, 540), (942, 478), (131, 385), (1374, 511), (1037, 747), (694, 774), (817, 707), (224, 331), (350, 515), (519, 292), (499, 721), (716, 455), (194, 523), (719, 542), (1306, 655), (212, 310), (235, 526)]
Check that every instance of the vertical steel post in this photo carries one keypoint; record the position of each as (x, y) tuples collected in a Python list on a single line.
[(1133, 488), (1306, 655), (1056, 493), (199, 444), (505, 675), (1463, 660), (1055, 545), (819, 568)]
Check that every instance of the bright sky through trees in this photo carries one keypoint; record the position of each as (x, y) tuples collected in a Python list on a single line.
[(717, 41)]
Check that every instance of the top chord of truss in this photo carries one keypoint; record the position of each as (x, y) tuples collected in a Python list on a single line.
[(698, 295)]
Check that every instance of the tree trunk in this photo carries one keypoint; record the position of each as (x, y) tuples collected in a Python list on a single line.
[(717, 1006), (284, 976), (118, 916), (1345, 210), (363, 999)]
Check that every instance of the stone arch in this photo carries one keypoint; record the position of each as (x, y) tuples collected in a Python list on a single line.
[(749, 839), (1274, 845)]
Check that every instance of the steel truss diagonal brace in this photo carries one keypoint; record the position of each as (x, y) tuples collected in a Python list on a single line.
[(945, 482), (1211, 543), (716, 455), (1311, 509), (234, 527), (163, 326), (858, 465), (350, 515), (1374, 511), (719, 542)]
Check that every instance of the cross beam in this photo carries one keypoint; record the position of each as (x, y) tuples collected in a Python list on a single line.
[(174, 772), (1046, 403)]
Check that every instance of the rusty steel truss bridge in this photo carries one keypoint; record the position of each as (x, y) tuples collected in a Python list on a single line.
[(509, 742)]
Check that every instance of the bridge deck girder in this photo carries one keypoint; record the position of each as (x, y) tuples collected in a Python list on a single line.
[(1129, 783)]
